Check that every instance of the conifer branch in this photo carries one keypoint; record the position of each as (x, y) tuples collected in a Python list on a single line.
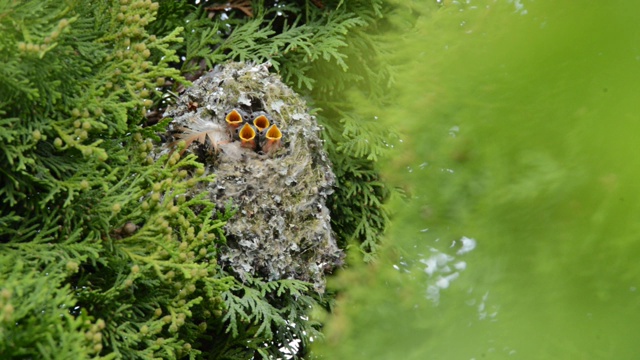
[(106, 249)]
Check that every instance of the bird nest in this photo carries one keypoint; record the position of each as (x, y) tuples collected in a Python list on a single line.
[(275, 173)]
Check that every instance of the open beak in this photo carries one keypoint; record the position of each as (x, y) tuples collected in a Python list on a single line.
[(261, 122), (233, 119), (247, 136), (271, 139)]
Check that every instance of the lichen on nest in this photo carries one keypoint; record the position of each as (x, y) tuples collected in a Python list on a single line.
[(282, 226)]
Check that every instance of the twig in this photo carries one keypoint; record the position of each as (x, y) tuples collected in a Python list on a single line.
[(242, 5)]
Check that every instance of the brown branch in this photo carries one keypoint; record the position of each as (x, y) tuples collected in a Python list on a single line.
[(318, 3), (242, 5)]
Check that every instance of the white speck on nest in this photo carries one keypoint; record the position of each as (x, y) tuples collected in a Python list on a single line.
[(277, 105), (244, 99)]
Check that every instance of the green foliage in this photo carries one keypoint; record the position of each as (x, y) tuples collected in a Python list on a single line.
[(102, 251), (356, 137), (499, 154), (50, 326), (69, 77), (294, 36), (269, 319)]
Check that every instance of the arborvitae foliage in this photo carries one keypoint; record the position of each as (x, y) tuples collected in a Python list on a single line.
[(327, 50), (356, 139), (101, 252)]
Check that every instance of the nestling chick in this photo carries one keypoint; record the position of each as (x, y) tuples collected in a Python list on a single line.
[(271, 140), (247, 135)]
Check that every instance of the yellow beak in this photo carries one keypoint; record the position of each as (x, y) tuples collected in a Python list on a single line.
[(233, 119), (261, 122), (247, 136), (272, 139)]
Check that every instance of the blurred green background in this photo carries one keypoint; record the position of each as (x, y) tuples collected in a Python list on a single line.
[(520, 157)]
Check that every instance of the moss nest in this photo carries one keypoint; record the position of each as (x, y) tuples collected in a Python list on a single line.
[(281, 228)]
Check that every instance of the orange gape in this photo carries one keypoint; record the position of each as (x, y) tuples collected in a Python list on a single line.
[(233, 119), (247, 136), (272, 139), (261, 122)]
